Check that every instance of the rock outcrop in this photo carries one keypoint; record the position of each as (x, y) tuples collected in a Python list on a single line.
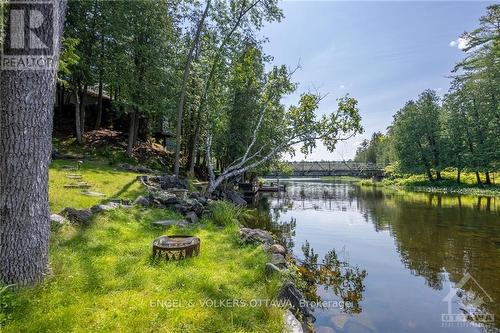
[(78, 216), (248, 235)]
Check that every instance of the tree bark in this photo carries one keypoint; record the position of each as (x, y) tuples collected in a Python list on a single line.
[(136, 129), (458, 175), (488, 179), (438, 175), (429, 174), (478, 178), (131, 133), (194, 147), (99, 97), (426, 163), (77, 118), (83, 100), (180, 109), (99, 104), (26, 113)]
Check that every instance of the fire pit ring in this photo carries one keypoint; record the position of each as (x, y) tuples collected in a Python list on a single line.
[(176, 247)]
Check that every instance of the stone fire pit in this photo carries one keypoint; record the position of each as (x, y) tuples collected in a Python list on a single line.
[(176, 247)]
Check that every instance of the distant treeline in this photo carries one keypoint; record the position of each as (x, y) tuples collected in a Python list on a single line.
[(460, 130)]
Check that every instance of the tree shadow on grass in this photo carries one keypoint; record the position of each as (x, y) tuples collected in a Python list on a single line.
[(125, 189)]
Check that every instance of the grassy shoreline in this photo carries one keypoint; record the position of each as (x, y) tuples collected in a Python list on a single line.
[(446, 186), (102, 277)]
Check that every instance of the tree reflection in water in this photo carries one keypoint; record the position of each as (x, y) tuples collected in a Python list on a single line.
[(269, 218), (345, 281)]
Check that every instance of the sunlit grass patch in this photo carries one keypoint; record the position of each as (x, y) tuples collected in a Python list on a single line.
[(103, 279), (102, 179)]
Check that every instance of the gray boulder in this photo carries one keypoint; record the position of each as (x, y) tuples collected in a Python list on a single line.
[(278, 260), (195, 206), (168, 223), (121, 202), (108, 206), (199, 198), (192, 217), (235, 198), (57, 219), (79, 216), (171, 181), (277, 248), (248, 235), (181, 208), (141, 201), (272, 269), (292, 324), (291, 294), (102, 207), (164, 198)]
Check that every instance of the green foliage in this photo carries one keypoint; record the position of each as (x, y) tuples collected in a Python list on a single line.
[(462, 132), (448, 184), (416, 134), (376, 150), (67, 60), (124, 45), (224, 213), (8, 304)]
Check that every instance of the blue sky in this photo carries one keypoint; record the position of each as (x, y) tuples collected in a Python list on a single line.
[(382, 53)]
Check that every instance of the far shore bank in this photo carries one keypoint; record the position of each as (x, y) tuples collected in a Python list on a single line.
[(444, 186)]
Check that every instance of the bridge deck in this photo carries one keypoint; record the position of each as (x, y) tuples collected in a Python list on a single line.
[(334, 168)]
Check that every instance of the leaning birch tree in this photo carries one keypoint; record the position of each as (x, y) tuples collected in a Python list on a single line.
[(279, 130)]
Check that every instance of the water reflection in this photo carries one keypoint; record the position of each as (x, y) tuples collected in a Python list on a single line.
[(346, 282), (440, 238)]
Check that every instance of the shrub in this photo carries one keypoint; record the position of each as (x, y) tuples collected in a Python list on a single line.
[(7, 303), (224, 213)]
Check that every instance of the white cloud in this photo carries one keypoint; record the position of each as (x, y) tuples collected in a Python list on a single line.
[(341, 86), (460, 43)]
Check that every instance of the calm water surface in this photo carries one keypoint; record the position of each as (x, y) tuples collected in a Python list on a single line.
[(407, 262)]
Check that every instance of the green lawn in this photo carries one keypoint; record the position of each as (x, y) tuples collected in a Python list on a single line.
[(103, 278), (102, 178)]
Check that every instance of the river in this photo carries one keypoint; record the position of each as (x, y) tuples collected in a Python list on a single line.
[(380, 260)]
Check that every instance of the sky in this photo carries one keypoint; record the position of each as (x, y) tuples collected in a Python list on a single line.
[(381, 53)]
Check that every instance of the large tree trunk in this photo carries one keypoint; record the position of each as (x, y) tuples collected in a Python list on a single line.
[(83, 101), (426, 163), (478, 178), (458, 175), (26, 111), (194, 147), (78, 123), (136, 129), (180, 109), (438, 175), (429, 174), (99, 105), (488, 180), (131, 133)]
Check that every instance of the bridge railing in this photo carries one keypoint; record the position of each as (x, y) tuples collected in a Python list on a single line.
[(335, 165)]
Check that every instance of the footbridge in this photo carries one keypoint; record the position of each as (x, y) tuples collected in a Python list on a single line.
[(331, 168)]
